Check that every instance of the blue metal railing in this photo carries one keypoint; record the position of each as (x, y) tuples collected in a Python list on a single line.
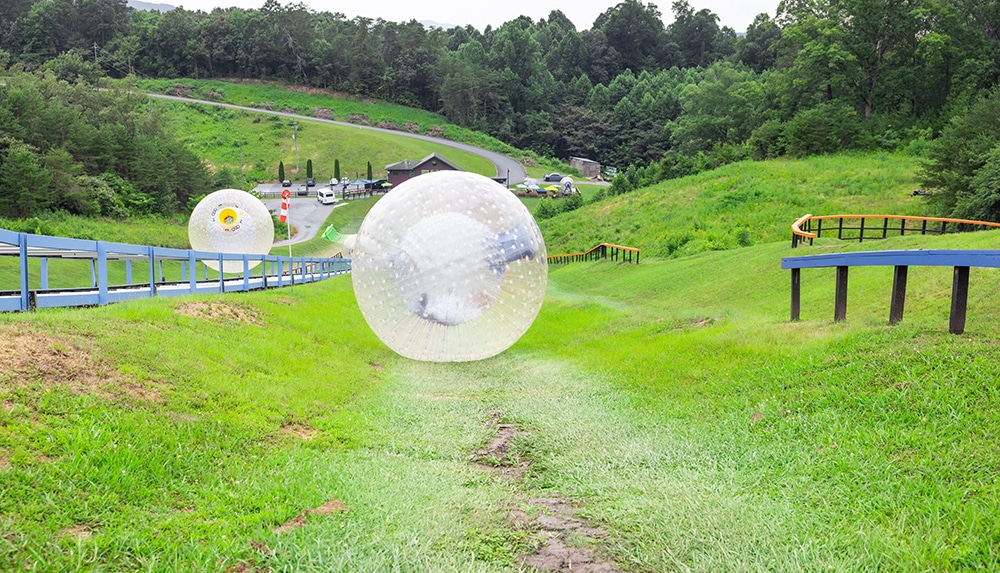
[(269, 272), (901, 261)]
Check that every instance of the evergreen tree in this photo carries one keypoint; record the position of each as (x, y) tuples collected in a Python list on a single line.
[(25, 183)]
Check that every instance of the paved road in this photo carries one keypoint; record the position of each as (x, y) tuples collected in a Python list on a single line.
[(306, 214), (505, 166)]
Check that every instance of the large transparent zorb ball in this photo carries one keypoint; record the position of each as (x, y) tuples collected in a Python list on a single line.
[(231, 221), (449, 266)]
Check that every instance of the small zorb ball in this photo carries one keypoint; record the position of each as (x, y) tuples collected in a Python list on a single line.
[(449, 266), (231, 221)]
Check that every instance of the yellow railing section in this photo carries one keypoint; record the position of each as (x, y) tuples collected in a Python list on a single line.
[(856, 228), (601, 251)]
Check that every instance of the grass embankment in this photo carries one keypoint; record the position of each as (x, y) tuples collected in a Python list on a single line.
[(346, 218), (216, 134), (740, 204), (673, 400), (313, 102)]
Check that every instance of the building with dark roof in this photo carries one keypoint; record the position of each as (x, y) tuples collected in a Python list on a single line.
[(399, 172)]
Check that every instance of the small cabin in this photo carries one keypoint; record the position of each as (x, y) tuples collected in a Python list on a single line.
[(404, 170), (588, 167)]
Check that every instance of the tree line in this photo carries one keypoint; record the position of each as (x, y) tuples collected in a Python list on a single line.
[(657, 100), (99, 152)]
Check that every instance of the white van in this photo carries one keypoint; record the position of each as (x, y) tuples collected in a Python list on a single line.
[(326, 196)]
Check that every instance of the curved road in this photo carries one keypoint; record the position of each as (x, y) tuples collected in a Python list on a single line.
[(504, 164), (307, 216)]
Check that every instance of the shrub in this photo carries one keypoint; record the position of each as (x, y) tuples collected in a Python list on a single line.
[(983, 203), (547, 208), (827, 128), (765, 141), (954, 158)]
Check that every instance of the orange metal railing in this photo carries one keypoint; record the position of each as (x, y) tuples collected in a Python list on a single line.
[(601, 251), (856, 229)]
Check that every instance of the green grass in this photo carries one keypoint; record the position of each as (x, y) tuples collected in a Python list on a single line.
[(673, 400), (740, 204), (346, 219), (216, 134), (306, 101), (158, 231)]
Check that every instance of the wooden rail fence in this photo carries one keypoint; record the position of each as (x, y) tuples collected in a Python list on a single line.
[(867, 227), (961, 261), (108, 285), (602, 251)]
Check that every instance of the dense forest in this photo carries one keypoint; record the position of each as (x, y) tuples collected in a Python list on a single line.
[(75, 148), (660, 100)]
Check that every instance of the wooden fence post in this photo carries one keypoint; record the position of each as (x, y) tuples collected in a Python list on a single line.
[(840, 303), (796, 289), (898, 294), (959, 299)]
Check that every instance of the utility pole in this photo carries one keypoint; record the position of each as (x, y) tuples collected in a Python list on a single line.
[(295, 129)]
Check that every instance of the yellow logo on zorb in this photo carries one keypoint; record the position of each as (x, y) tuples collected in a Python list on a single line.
[(229, 218)]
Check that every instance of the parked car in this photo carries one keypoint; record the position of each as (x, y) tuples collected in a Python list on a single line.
[(553, 177), (326, 196), (310, 182), (286, 183)]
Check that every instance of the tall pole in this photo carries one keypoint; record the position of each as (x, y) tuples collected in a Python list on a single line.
[(295, 128)]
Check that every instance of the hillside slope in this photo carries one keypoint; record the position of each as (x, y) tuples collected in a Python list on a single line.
[(671, 402), (739, 204)]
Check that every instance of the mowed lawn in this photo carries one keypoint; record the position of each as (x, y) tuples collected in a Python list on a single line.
[(671, 403)]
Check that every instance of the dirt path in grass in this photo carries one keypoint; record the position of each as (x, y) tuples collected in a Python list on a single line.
[(568, 542)]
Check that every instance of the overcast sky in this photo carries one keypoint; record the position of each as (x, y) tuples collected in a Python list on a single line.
[(737, 14)]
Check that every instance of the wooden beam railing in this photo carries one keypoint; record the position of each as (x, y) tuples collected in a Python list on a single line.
[(961, 261), (601, 251), (868, 227)]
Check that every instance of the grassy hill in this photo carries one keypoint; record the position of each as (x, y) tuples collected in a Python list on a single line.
[(672, 404), (312, 102), (217, 134), (671, 400), (740, 204), (744, 203)]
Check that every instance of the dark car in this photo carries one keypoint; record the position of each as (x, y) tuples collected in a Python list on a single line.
[(310, 182), (286, 183), (553, 177)]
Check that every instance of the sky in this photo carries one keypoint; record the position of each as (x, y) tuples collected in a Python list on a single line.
[(737, 14)]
